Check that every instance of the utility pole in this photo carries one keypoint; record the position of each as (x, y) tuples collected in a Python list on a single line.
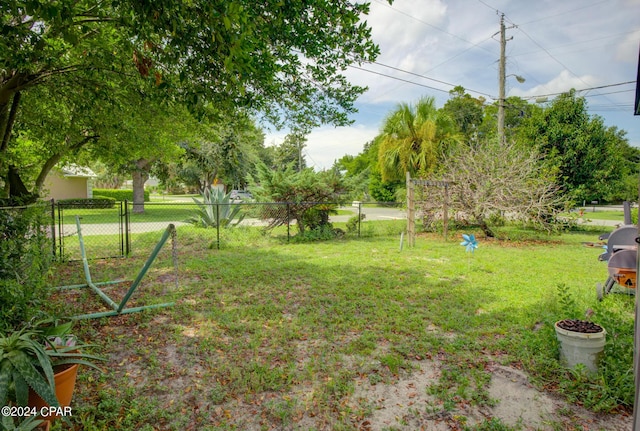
[(502, 77), (501, 81)]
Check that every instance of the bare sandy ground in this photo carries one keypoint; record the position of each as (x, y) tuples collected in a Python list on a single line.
[(405, 405)]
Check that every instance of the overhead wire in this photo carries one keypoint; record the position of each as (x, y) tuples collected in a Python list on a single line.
[(473, 45), (545, 50)]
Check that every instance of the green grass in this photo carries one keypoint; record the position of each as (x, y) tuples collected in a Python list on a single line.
[(153, 212), (604, 215), (272, 335)]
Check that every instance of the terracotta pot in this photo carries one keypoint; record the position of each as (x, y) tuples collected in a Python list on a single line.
[(65, 381)]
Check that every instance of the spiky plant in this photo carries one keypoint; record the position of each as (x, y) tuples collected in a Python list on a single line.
[(216, 210)]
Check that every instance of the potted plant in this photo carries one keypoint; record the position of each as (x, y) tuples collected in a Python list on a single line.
[(581, 341), (7, 423), (39, 362)]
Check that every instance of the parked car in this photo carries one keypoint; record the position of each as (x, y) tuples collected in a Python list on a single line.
[(241, 195)]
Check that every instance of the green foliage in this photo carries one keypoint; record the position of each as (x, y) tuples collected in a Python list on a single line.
[(588, 156), (25, 259), (119, 195), (493, 424), (289, 153), (28, 359), (226, 152), (324, 232), (567, 303), (383, 191), (414, 139), (197, 54), (7, 423), (465, 111), (216, 210), (309, 196), (335, 314), (95, 202), (354, 222)]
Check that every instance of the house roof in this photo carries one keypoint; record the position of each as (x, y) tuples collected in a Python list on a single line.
[(77, 171)]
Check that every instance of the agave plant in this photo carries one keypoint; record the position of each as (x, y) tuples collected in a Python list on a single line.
[(216, 210), (30, 423), (29, 357)]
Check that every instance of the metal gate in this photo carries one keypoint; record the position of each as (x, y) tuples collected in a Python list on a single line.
[(106, 231)]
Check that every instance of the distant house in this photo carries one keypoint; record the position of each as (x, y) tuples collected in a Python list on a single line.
[(69, 182)]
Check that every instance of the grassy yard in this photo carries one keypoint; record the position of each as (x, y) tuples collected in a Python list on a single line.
[(268, 335), (604, 215), (155, 211)]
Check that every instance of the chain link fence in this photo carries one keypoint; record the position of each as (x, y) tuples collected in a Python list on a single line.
[(123, 230)]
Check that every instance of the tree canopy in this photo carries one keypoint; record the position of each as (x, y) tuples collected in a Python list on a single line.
[(284, 60), (413, 139), (588, 156)]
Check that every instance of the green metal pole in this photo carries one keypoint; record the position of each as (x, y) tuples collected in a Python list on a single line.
[(124, 311), (80, 286), (145, 268), (87, 273)]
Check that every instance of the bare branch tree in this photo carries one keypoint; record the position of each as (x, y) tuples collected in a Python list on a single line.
[(504, 180)]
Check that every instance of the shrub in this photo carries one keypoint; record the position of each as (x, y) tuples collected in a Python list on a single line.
[(216, 210), (118, 194), (354, 222), (95, 202), (25, 259), (320, 233)]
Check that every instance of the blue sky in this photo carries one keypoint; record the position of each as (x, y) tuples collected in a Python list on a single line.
[(555, 46)]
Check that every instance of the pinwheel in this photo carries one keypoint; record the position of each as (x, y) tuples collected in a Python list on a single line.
[(469, 242)]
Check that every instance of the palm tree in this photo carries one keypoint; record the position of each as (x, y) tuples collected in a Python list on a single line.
[(414, 137)]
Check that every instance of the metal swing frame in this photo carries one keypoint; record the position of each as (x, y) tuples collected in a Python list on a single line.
[(118, 308)]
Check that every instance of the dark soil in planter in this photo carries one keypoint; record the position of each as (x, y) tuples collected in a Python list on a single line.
[(580, 326)]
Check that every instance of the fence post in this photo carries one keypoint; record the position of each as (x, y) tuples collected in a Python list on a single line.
[(53, 227), (288, 222), (121, 231), (127, 238), (411, 226), (218, 223), (359, 217), (445, 211), (60, 230)]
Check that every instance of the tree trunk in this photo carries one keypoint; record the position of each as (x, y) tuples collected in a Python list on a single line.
[(485, 228), (140, 176)]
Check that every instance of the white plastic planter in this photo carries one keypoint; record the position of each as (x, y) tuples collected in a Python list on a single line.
[(580, 348)]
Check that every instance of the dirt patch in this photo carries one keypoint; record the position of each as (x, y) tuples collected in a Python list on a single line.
[(405, 405)]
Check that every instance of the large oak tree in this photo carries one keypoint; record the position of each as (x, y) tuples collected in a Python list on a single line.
[(282, 59)]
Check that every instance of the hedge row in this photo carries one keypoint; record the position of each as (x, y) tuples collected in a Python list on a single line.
[(96, 202), (118, 195)]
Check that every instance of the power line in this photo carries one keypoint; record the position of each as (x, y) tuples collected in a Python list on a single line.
[(586, 89), (549, 54), (431, 25), (430, 79), (489, 6), (398, 79), (564, 13)]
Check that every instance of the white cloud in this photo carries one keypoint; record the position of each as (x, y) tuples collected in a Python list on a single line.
[(627, 50), (327, 144), (563, 82), (556, 46)]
